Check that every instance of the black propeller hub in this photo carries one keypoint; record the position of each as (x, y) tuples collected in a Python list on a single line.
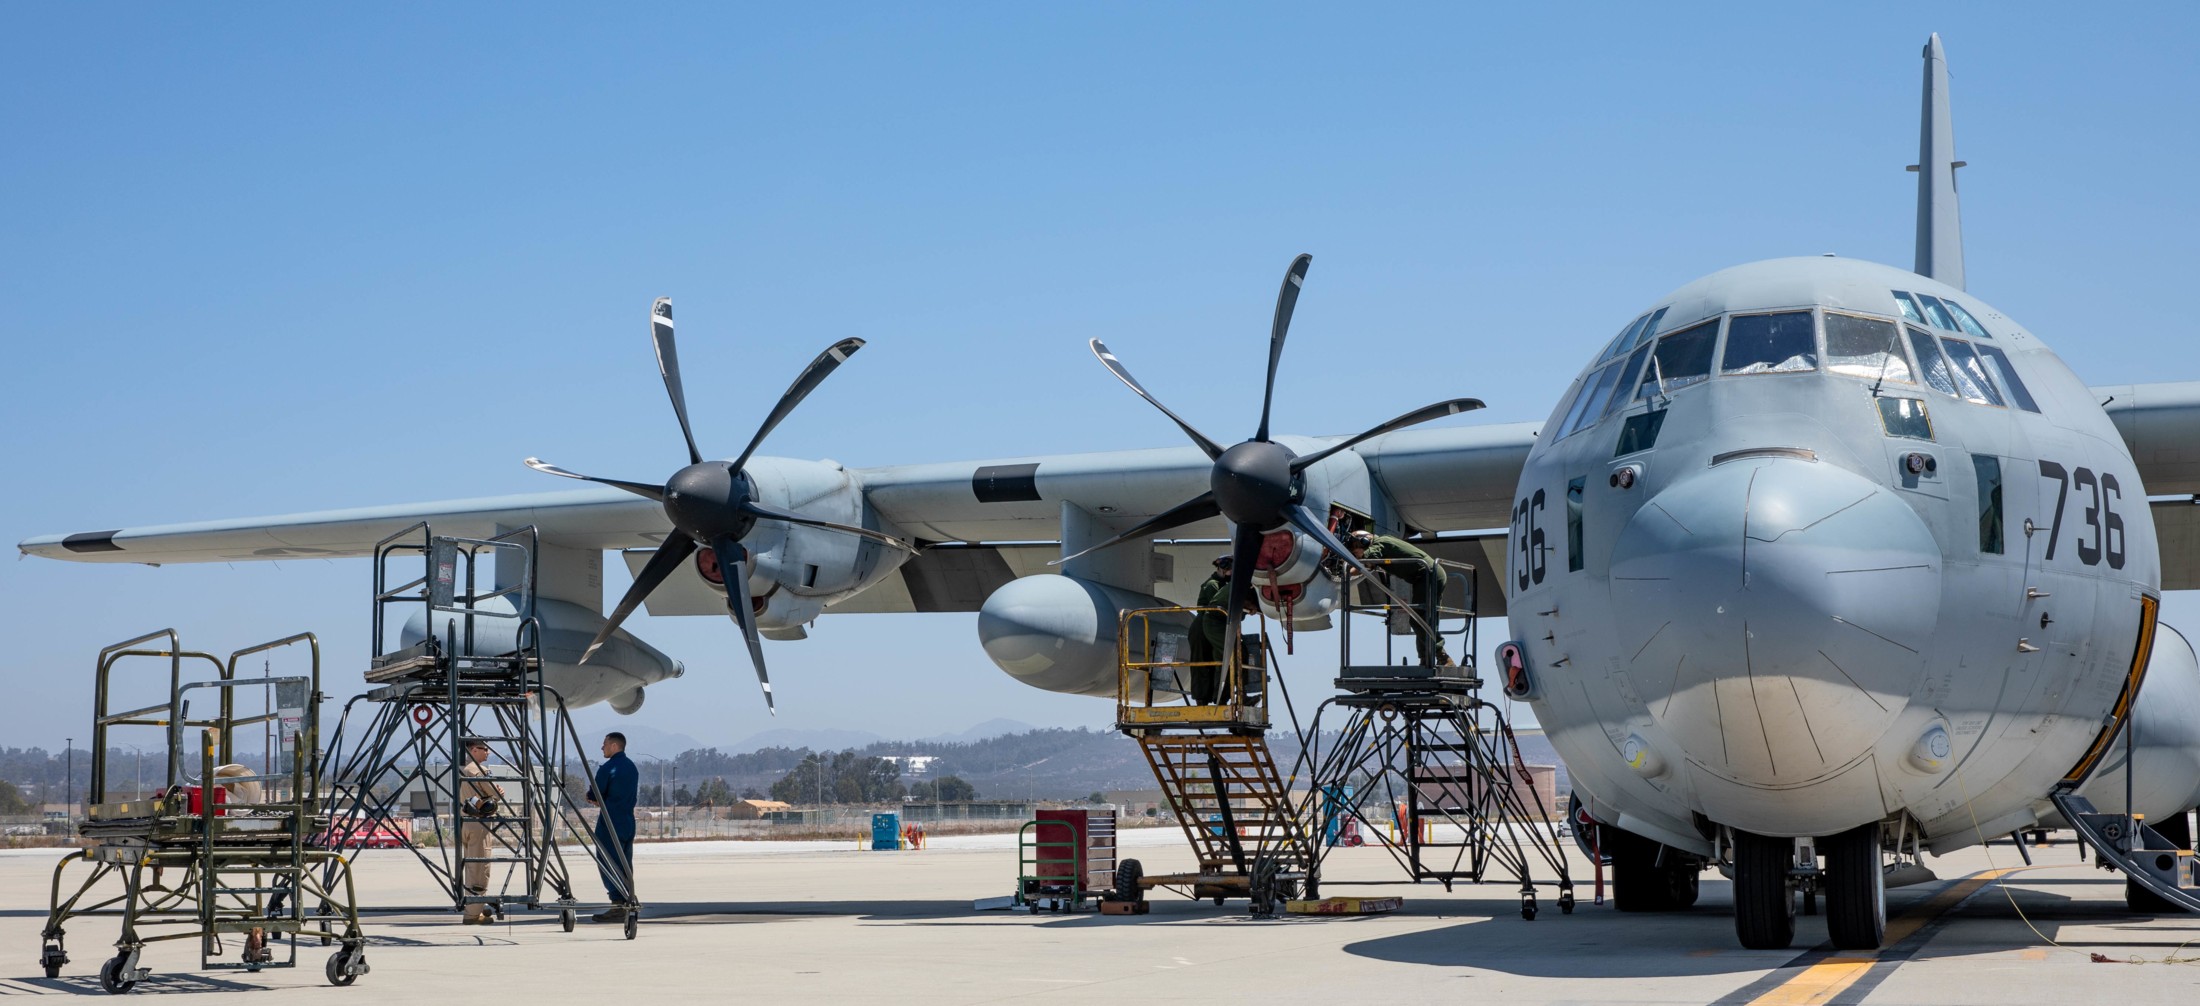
[(708, 501), (1253, 484)]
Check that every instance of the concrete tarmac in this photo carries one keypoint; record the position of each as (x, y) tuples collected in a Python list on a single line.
[(822, 922)]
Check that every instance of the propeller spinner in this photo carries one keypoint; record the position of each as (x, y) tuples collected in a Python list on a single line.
[(713, 504), (1256, 484)]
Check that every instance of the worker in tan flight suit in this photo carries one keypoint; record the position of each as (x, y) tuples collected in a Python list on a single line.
[(478, 799)]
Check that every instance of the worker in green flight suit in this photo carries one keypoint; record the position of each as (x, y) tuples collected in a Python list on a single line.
[(1422, 577), (1210, 634)]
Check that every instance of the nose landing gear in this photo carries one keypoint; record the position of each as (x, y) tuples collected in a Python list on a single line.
[(1856, 888), (1764, 892)]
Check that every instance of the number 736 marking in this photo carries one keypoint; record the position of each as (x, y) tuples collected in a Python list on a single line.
[(2100, 494)]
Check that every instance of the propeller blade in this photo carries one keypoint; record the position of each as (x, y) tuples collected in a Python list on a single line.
[(1287, 300), (668, 365), (637, 488), (774, 513), (670, 555), (734, 560), (1414, 418), (1245, 541), (811, 376), (1197, 508), (1305, 520), (1244, 551), (1115, 366)]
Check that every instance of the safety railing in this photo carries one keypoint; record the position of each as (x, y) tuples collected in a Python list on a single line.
[(1161, 680)]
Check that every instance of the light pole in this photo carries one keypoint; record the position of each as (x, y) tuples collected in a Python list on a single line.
[(661, 763), (137, 775), (68, 780)]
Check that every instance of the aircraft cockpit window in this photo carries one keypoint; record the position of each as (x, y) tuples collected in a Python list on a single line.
[(1930, 363), (1997, 363), (1970, 373), (1905, 417), (1908, 306), (1650, 328), (1771, 343), (1625, 339), (1866, 347), (1937, 313), (1964, 320), (1988, 469), (1681, 359), (1627, 371), (1591, 406)]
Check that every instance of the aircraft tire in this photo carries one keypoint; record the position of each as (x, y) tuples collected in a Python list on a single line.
[(1683, 881), (1638, 885), (1764, 899), (2138, 899), (1856, 888)]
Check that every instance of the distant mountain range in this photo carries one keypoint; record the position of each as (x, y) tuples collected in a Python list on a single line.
[(1002, 758)]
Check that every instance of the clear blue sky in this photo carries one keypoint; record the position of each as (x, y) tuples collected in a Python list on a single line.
[(269, 258)]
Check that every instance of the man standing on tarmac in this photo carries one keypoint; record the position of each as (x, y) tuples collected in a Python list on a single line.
[(618, 785), (1404, 563), (478, 798), (1210, 634)]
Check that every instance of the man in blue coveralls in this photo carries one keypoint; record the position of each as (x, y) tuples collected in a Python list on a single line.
[(618, 784)]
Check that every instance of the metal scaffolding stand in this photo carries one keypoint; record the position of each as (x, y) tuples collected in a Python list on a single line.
[(514, 820), (217, 850), (1419, 751), (1203, 726)]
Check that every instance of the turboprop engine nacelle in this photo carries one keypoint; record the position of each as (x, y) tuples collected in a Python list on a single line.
[(616, 674), (1292, 585), (1059, 632), (796, 570)]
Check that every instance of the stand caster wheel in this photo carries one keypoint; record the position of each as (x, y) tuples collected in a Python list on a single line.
[(633, 922), (567, 919), (1566, 901), (52, 960), (111, 975), (1527, 907), (339, 968)]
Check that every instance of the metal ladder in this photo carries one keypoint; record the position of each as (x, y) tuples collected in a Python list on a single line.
[(1230, 800), (451, 686)]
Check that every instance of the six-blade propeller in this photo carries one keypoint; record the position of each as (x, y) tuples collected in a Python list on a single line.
[(713, 504), (1257, 485)]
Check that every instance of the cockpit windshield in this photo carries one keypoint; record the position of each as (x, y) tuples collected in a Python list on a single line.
[(1681, 359), (1865, 347), (1771, 343)]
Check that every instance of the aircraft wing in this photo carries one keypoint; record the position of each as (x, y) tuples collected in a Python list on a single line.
[(602, 518), (997, 518)]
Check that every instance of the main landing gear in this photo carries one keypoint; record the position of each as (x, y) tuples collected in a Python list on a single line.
[(1648, 876)]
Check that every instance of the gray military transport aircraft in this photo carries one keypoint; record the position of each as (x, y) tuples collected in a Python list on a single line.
[(1816, 557)]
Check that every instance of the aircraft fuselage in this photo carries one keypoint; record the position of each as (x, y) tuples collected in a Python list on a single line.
[(1795, 557)]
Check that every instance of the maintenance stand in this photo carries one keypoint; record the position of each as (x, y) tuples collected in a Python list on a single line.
[(474, 673), (1210, 755), (1418, 750), (217, 850)]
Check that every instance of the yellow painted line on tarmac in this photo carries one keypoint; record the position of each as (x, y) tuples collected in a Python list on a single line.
[(1822, 981)]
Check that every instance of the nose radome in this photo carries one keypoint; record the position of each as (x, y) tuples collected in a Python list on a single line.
[(1772, 614)]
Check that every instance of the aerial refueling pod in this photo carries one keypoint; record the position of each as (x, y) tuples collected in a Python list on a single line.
[(1058, 632), (616, 674)]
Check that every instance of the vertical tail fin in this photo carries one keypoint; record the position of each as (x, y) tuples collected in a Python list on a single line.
[(1939, 222)]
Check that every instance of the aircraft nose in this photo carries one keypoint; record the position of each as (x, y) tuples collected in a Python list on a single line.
[(1775, 611)]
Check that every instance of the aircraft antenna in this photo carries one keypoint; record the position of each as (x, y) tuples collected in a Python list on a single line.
[(1939, 223)]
